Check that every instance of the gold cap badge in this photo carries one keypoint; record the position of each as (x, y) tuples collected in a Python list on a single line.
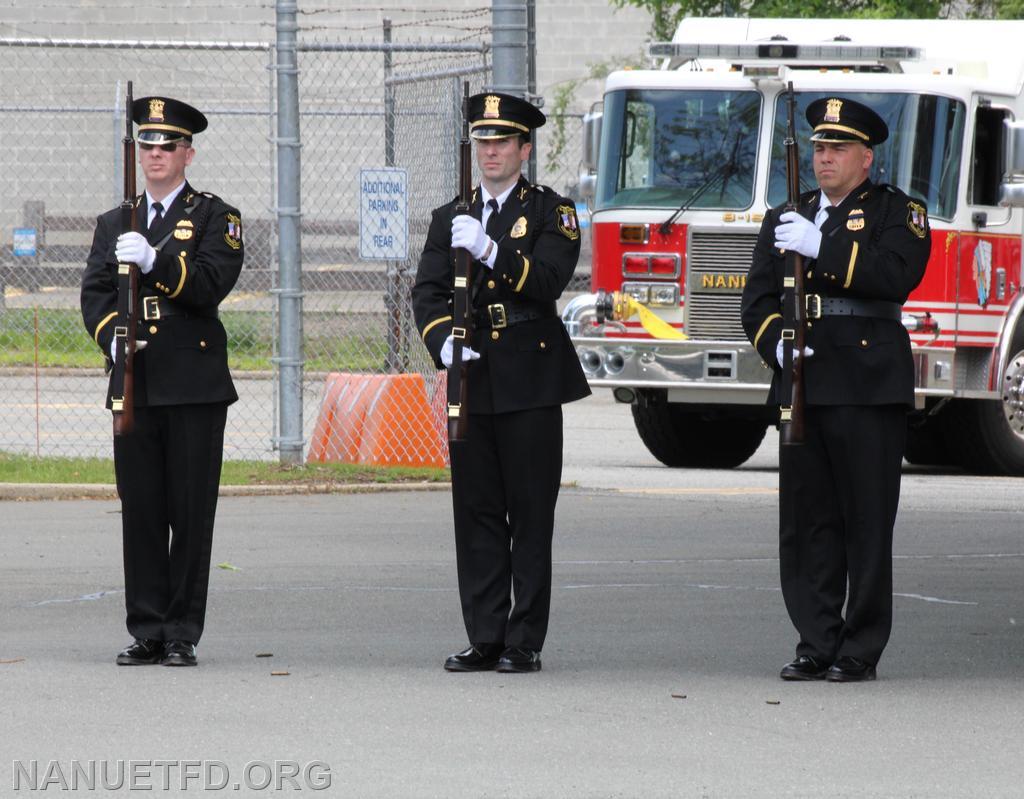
[(832, 110), (156, 109), (491, 103)]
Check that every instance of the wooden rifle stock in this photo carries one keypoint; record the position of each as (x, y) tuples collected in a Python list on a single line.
[(792, 431), (123, 392), (462, 311)]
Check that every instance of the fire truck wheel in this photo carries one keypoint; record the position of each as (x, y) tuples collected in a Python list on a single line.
[(683, 438), (928, 442), (989, 434)]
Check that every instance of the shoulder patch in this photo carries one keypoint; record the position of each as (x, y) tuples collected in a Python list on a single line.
[(917, 219), (233, 231), (565, 215)]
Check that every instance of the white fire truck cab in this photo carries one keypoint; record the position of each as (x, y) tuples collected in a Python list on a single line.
[(683, 161)]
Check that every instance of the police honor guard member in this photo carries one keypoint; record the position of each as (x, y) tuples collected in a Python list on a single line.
[(522, 367), (168, 468), (865, 247)]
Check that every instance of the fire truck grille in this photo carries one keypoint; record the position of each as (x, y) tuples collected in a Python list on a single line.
[(717, 266)]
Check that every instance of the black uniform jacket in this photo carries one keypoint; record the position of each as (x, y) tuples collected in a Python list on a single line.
[(874, 246), (530, 364), (199, 257)]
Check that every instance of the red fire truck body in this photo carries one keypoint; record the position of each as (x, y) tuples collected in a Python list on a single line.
[(690, 157)]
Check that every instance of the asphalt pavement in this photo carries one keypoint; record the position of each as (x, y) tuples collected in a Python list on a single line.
[(331, 615)]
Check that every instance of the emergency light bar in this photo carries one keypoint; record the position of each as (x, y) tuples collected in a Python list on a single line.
[(831, 52)]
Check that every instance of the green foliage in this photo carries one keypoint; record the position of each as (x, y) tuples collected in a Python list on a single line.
[(559, 106), (56, 338)]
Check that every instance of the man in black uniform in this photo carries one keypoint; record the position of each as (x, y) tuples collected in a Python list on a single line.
[(865, 248), (189, 255), (505, 475)]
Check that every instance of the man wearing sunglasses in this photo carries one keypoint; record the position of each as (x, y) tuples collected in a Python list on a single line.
[(188, 248)]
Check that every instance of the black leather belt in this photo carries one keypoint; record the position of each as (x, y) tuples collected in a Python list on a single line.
[(155, 307), (499, 315), (818, 306)]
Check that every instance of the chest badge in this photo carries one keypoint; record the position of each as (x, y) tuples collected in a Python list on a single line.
[(183, 230), (855, 221), (519, 228)]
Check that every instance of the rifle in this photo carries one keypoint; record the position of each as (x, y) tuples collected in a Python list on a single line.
[(122, 399), (794, 299), (462, 314)]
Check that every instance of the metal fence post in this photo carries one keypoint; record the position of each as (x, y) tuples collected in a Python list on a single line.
[(509, 25), (290, 359)]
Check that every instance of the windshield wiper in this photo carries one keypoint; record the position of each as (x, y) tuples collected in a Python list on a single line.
[(726, 171)]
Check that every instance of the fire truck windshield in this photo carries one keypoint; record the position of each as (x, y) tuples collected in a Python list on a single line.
[(661, 147), (921, 155)]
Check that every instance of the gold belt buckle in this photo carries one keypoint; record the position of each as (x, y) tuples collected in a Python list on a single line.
[(151, 308), (812, 305), (498, 317)]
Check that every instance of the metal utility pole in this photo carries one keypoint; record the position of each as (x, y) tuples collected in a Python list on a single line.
[(511, 47), (509, 23), (289, 292)]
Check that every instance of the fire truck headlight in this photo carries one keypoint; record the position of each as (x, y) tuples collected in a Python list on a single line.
[(665, 295), (638, 291)]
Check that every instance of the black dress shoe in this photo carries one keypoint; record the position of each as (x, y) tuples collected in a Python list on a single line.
[(478, 657), (141, 653), (804, 668), (849, 669), (179, 653), (518, 659)]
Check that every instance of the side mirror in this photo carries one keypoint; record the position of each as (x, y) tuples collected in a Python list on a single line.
[(592, 136), (1011, 192), (591, 151)]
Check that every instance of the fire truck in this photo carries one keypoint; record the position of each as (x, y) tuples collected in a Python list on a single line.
[(681, 163)]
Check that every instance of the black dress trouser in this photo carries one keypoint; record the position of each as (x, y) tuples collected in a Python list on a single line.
[(168, 474), (838, 496), (505, 479)]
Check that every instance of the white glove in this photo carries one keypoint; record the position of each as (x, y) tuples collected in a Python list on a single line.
[(798, 234), (139, 345), (808, 352), (468, 234), (448, 350), (132, 248)]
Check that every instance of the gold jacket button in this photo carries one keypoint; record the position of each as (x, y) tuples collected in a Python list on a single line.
[(543, 345), (495, 335), (202, 345), (152, 329), (490, 284), (863, 342)]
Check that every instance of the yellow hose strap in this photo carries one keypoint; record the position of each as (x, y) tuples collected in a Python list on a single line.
[(626, 307)]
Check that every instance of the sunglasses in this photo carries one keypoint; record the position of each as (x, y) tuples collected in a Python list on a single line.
[(169, 147)]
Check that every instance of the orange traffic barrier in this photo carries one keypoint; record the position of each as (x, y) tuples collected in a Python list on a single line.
[(380, 419)]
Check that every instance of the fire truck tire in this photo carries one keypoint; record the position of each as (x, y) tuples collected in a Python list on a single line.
[(682, 438), (928, 442), (984, 438)]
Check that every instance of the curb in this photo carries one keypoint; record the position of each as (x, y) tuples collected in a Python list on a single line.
[(28, 492)]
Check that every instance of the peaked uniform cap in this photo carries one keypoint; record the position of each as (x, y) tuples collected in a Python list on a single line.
[(839, 119), (163, 120), (493, 115)]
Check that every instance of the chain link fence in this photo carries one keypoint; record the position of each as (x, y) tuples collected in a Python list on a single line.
[(379, 126)]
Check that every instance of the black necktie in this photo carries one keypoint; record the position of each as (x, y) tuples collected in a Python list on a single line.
[(492, 221), (158, 213)]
